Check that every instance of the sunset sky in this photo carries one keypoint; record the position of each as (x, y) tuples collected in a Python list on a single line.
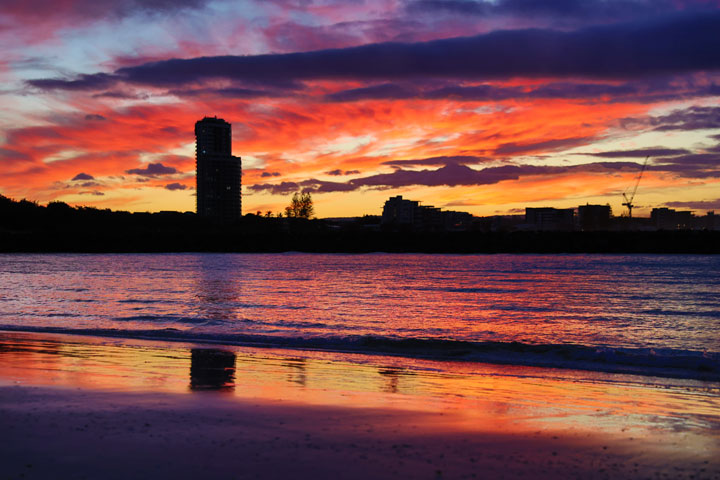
[(484, 106)]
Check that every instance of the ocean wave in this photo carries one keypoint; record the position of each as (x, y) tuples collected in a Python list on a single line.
[(684, 313), (483, 290), (670, 363), (142, 300), (163, 319)]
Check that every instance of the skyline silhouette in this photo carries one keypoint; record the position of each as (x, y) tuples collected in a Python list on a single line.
[(218, 177)]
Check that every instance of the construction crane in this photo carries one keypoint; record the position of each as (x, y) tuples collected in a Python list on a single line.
[(629, 199)]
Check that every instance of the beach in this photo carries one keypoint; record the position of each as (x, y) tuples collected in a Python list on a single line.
[(84, 407), (368, 366)]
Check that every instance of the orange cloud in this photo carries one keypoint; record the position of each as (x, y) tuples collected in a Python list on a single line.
[(306, 137)]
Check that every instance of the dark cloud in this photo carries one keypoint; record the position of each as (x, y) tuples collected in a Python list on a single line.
[(376, 92), (589, 10), (234, 92), (583, 90), (444, 160), (96, 81), (684, 44), (152, 170), (448, 175), (462, 7), (91, 192), (695, 165), (641, 48), (476, 93), (126, 7), (282, 188), (642, 152), (692, 118), (311, 185), (9, 154), (637, 91), (93, 116), (698, 205), (513, 148), (338, 172), (83, 176), (694, 159), (95, 9), (175, 186), (122, 95), (270, 174), (173, 131)]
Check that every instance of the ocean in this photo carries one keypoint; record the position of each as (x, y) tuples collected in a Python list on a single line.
[(652, 315)]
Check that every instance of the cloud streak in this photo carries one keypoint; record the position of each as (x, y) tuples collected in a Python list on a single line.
[(567, 9), (640, 153), (94, 9), (152, 170), (692, 118), (83, 176), (645, 48), (698, 205), (451, 175)]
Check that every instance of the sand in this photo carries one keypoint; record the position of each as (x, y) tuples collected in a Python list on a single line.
[(50, 432)]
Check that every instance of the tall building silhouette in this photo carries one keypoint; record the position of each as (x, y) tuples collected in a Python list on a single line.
[(219, 173)]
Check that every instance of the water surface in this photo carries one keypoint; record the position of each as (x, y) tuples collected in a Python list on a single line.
[(651, 314)]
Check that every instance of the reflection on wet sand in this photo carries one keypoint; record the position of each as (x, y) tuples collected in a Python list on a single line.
[(298, 371), (499, 398), (212, 369), (392, 376)]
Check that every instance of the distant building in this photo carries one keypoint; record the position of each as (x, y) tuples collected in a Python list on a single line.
[(400, 213), (548, 218), (669, 219), (594, 217), (219, 173), (709, 222)]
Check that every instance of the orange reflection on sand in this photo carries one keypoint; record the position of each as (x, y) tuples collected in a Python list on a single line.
[(95, 365), (474, 396)]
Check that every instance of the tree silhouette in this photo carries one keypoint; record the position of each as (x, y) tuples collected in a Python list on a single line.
[(301, 206)]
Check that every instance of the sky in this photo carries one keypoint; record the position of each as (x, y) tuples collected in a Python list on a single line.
[(483, 106)]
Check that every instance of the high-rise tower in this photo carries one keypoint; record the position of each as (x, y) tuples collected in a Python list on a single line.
[(219, 174)]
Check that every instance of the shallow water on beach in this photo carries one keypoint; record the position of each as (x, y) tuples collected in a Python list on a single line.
[(494, 397), (654, 315)]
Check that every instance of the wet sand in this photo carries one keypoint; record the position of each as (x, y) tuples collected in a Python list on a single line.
[(82, 408), (61, 433)]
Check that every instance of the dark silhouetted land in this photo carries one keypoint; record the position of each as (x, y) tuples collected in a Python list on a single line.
[(28, 227)]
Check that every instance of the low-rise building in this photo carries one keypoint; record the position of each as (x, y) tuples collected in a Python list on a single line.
[(549, 218), (669, 219), (400, 213), (594, 217)]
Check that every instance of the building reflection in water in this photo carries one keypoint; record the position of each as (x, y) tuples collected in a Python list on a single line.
[(212, 369), (217, 291), (392, 376), (298, 370)]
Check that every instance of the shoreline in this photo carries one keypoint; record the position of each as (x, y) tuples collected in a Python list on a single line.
[(240, 239), (511, 354), (118, 409)]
